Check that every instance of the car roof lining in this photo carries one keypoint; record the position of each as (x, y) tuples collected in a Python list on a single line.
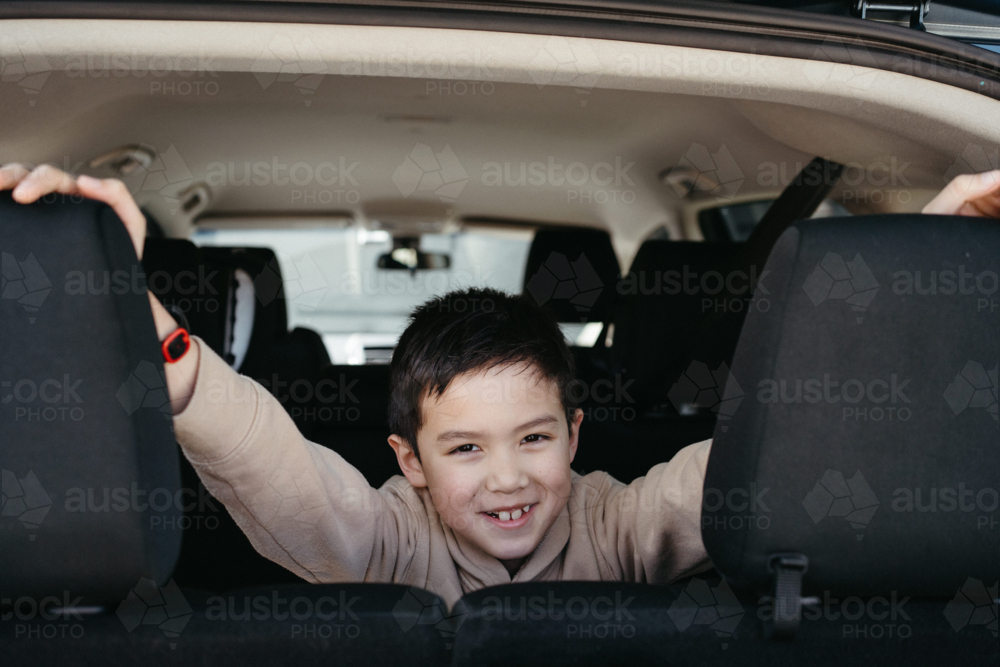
[(384, 90)]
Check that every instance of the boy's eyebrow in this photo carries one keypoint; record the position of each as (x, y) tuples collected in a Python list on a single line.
[(544, 420)]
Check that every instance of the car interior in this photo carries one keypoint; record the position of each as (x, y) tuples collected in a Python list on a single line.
[(701, 222)]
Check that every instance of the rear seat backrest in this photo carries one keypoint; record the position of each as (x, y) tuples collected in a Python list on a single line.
[(349, 414), (868, 423), (665, 296), (88, 417)]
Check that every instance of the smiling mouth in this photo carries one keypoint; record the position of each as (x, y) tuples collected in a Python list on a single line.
[(511, 517)]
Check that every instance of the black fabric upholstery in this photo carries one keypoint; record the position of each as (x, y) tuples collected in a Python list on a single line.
[(617, 440), (572, 271), (86, 428), (857, 475), (702, 621), (670, 288), (179, 276), (308, 624), (349, 415)]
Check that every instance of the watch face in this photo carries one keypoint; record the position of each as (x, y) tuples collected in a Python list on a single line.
[(177, 346)]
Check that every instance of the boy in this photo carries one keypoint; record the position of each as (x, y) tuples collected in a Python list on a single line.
[(484, 433)]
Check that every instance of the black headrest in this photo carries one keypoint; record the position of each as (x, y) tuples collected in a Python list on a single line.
[(270, 316), (864, 434), (90, 465), (668, 290), (348, 398), (573, 271), (179, 276)]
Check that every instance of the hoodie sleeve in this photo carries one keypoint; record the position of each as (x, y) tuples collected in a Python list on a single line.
[(650, 530), (302, 505)]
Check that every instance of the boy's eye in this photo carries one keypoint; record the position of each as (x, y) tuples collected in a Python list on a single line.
[(465, 448), (535, 437)]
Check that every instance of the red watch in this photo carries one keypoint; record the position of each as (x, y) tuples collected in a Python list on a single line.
[(175, 345)]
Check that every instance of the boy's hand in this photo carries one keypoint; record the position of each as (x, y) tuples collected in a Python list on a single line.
[(969, 194), (30, 186)]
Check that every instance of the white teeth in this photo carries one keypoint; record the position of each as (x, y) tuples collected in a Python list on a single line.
[(527, 507), (505, 516), (516, 514)]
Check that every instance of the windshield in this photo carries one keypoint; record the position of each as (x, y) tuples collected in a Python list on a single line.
[(333, 284)]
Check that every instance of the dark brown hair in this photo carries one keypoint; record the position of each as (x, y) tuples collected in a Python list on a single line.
[(473, 330)]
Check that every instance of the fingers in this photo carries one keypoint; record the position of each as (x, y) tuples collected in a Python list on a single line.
[(968, 194), (41, 181), (113, 192), (11, 175), (31, 185)]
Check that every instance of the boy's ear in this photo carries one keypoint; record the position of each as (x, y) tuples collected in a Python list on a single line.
[(574, 433), (408, 461)]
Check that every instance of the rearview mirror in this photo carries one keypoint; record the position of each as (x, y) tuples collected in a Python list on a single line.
[(406, 255)]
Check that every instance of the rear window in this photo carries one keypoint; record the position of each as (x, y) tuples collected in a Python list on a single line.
[(334, 286)]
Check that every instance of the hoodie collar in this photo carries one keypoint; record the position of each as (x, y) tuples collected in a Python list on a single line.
[(477, 569)]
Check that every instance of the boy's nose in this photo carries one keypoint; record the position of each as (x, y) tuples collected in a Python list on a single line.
[(506, 475)]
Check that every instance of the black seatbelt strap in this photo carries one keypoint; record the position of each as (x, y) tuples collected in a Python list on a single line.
[(787, 570), (798, 201)]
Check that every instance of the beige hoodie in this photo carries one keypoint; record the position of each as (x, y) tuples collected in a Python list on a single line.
[(307, 509)]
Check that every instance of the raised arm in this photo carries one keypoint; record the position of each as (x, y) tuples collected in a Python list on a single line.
[(301, 505), (650, 530)]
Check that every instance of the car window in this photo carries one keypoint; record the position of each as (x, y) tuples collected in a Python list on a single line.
[(735, 222), (334, 286)]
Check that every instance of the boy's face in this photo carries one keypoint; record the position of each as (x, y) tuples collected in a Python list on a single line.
[(495, 453)]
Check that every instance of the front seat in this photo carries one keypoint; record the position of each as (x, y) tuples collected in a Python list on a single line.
[(92, 497), (862, 461), (86, 423)]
